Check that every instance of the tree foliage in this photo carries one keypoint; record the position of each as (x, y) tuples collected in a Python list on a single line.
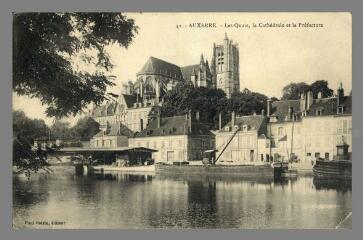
[(292, 91), (85, 129), (44, 45), (210, 102), (25, 131)]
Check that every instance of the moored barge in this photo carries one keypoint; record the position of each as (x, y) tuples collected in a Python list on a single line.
[(339, 168), (266, 170)]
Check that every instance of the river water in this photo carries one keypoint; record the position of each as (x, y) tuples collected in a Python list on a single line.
[(63, 199)]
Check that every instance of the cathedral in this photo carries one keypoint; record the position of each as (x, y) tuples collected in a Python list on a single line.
[(157, 76)]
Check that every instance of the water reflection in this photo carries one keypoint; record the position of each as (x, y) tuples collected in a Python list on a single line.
[(339, 185), (115, 200)]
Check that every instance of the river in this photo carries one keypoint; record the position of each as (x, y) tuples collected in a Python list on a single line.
[(63, 199)]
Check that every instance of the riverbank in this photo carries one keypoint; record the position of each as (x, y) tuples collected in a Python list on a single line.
[(148, 168)]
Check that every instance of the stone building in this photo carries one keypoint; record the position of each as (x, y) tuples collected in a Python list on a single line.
[(309, 128), (178, 138), (299, 130), (238, 141), (157, 76), (225, 66), (111, 136), (130, 110), (199, 74)]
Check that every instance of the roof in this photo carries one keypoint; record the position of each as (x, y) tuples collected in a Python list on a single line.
[(129, 100), (115, 129), (189, 71), (329, 106), (280, 109), (107, 109), (254, 122), (177, 125), (158, 66)]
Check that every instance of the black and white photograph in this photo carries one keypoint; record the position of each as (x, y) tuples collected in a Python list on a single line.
[(182, 120)]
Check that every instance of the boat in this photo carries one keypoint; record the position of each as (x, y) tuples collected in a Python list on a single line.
[(219, 169), (340, 167)]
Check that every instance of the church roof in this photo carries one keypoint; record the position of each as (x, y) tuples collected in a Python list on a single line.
[(129, 100), (189, 71), (158, 66)]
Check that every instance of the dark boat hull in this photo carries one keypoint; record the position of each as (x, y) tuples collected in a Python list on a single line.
[(236, 170), (333, 169)]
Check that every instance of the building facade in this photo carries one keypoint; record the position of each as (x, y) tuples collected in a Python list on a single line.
[(178, 138), (238, 141), (111, 136), (293, 130)]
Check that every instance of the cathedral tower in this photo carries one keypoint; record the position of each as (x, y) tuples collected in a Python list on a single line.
[(225, 66)]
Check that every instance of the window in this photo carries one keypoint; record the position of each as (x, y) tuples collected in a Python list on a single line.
[(345, 126), (319, 112), (317, 155), (327, 156), (308, 154), (340, 110), (280, 131)]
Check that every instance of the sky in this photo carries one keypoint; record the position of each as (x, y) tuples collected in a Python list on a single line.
[(270, 57)]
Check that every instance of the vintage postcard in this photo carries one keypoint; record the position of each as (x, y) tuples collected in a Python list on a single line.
[(182, 120)]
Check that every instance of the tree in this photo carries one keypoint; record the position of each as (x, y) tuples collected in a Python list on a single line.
[(60, 130), (25, 131), (85, 129), (292, 91), (44, 45), (321, 86), (247, 102), (185, 97)]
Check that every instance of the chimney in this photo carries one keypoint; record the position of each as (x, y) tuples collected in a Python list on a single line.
[(309, 100), (268, 107), (320, 95), (220, 121), (340, 93), (197, 116), (302, 102), (233, 120), (190, 120), (290, 113), (158, 120)]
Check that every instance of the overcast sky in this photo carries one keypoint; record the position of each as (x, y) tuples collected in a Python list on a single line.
[(270, 57)]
